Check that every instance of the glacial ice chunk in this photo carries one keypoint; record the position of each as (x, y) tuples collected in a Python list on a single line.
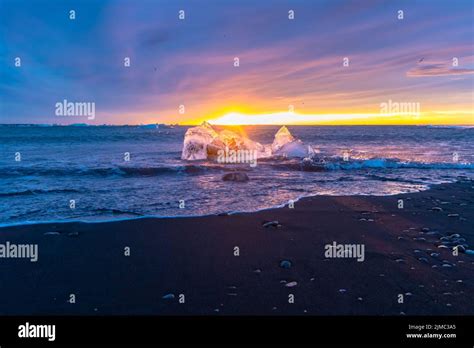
[(285, 144), (196, 141), (203, 142)]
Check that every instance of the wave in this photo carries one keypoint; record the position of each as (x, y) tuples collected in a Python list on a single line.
[(384, 163), (306, 165), (450, 127), (120, 171), (36, 192)]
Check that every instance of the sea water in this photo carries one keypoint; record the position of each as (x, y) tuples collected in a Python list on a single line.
[(93, 173)]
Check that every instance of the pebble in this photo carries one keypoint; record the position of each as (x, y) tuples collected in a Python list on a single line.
[(271, 224), (73, 234), (437, 209), (399, 260), (423, 259), (285, 264), (168, 297), (425, 229), (258, 270), (434, 254), (360, 299), (291, 284), (342, 291), (453, 215), (52, 233)]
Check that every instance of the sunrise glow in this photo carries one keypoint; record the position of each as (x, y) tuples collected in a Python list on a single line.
[(294, 118)]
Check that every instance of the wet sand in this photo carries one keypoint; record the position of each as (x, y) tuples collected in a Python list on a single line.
[(196, 257)]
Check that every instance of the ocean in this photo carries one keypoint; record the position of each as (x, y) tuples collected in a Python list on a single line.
[(81, 173)]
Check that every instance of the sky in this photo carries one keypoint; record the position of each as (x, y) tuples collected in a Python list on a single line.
[(290, 71)]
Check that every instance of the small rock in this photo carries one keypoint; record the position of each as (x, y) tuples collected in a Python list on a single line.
[(168, 297), (291, 284), (342, 291), (73, 234), (425, 229), (53, 233), (258, 270), (437, 209), (285, 264), (237, 177), (453, 215)]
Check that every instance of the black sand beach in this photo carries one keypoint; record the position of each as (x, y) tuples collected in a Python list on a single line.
[(195, 257)]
